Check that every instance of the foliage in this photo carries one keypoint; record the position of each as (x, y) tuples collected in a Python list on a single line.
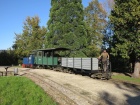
[(126, 39), (31, 38), (120, 65), (95, 18), (22, 91), (125, 18), (8, 58), (108, 5), (108, 34), (66, 27)]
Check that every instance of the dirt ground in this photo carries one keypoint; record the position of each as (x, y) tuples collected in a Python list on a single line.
[(72, 89)]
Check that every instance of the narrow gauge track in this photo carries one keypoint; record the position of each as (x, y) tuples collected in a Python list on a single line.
[(61, 88), (103, 79), (59, 93)]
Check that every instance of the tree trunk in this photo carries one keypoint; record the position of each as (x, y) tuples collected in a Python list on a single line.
[(136, 73)]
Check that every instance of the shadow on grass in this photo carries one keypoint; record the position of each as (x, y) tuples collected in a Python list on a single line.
[(127, 74)]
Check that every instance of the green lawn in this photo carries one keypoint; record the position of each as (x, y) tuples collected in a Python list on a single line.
[(22, 91), (126, 79)]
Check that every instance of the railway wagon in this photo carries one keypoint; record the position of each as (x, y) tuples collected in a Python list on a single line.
[(90, 66), (48, 58)]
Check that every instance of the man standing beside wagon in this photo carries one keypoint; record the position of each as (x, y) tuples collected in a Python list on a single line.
[(104, 58)]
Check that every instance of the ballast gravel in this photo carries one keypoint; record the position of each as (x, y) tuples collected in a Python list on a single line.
[(72, 89)]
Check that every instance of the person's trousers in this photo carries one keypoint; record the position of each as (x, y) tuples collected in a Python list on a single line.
[(104, 65)]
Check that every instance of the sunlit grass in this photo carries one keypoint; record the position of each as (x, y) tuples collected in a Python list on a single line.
[(22, 91), (126, 78)]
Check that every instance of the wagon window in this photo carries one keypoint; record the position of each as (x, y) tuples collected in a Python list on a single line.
[(39, 53)]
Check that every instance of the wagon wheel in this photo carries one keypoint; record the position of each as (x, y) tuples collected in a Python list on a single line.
[(93, 76), (65, 70)]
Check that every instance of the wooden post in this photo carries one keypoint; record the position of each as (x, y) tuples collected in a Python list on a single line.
[(6, 71)]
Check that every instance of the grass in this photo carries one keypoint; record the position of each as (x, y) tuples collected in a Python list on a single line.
[(126, 79), (22, 91)]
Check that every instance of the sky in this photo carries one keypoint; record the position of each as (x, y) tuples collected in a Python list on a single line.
[(14, 12)]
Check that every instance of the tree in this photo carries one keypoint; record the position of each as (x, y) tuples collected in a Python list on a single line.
[(32, 37), (95, 18), (7, 58), (126, 39), (66, 27), (108, 6), (108, 33)]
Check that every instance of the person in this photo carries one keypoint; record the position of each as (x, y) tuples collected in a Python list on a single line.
[(104, 58)]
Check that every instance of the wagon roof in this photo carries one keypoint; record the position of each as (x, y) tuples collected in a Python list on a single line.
[(53, 49)]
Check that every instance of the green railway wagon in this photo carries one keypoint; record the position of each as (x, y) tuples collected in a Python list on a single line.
[(43, 60), (47, 57)]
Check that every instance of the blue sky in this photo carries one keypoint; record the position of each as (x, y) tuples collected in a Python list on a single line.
[(14, 12)]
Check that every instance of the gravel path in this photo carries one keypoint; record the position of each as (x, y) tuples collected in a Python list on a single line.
[(83, 90)]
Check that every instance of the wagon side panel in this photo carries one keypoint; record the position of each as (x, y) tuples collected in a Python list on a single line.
[(94, 64), (86, 63)]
